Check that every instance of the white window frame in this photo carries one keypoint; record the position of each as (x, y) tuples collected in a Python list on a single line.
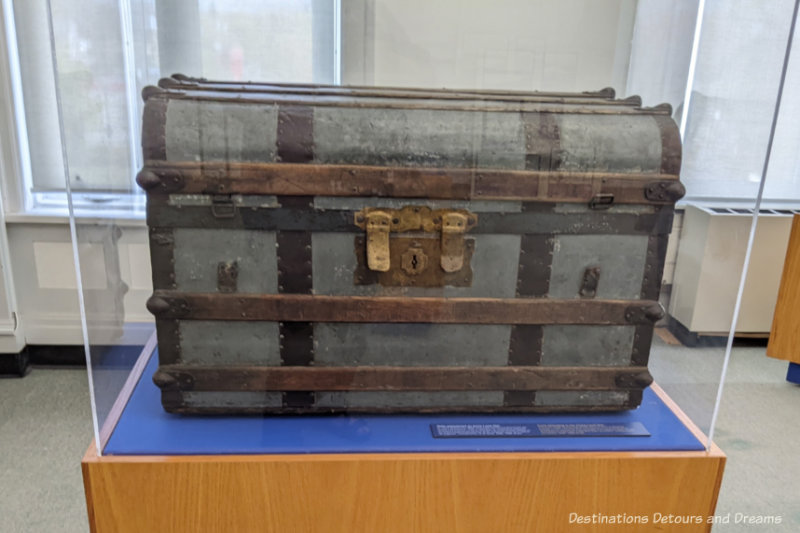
[(21, 202), (16, 153)]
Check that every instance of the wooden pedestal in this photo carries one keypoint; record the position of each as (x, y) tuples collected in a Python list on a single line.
[(784, 339), (442, 492)]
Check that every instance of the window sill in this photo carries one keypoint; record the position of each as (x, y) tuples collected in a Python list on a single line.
[(737, 203), (135, 218), (61, 216)]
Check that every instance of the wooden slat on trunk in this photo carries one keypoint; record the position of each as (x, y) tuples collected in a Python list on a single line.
[(364, 378), (307, 308), (300, 179)]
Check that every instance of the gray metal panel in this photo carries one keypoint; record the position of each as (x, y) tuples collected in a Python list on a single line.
[(587, 345), (213, 131), (494, 269), (199, 251), (612, 143), (614, 209), (232, 400), (234, 131), (210, 342), (621, 259), (239, 200), (581, 398), (418, 137), (502, 141), (411, 344), (408, 399), (356, 204)]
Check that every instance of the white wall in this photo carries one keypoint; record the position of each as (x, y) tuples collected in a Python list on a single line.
[(45, 280)]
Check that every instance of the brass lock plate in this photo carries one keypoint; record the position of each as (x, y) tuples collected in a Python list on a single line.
[(402, 271), (414, 218), (450, 224), (414, 261)]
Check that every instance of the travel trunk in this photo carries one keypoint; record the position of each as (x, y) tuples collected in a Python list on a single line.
[(327, 249)]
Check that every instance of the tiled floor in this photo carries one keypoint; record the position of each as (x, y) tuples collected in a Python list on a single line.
[(45, 427)]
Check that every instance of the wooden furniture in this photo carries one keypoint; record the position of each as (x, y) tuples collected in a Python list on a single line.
[(784, 340), (454, 492)]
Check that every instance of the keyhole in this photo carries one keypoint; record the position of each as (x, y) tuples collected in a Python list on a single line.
[(414, 261)]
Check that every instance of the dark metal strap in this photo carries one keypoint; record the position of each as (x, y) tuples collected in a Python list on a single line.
[(654, 265), (542, 141), (525, 349), (154, 125), (169, 341), (533, 281), (296, 343), (162, 252), (162, 214), (535, 264), (294, 262), (642, 341), (295, 139), (670, 146), (295, 276)]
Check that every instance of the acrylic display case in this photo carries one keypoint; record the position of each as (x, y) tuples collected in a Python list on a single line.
[(723, 92)]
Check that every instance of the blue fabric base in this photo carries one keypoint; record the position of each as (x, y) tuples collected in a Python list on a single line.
[(146, 429), (793, 375)]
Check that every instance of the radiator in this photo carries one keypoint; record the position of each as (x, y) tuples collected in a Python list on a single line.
[(708, 267)]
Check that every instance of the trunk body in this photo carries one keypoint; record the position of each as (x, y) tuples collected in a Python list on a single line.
[(321, 249)]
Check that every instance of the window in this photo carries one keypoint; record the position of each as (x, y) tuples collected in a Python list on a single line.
[(107, 51), (739, 59)]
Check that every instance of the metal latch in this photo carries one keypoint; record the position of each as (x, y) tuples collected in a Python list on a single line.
[(222, 206), (601, 201), (379, 222), (591, 278), (454, 225), (227, 274)]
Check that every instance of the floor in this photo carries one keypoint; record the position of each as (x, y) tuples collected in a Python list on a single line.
[(758, 428), (45, 427)]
